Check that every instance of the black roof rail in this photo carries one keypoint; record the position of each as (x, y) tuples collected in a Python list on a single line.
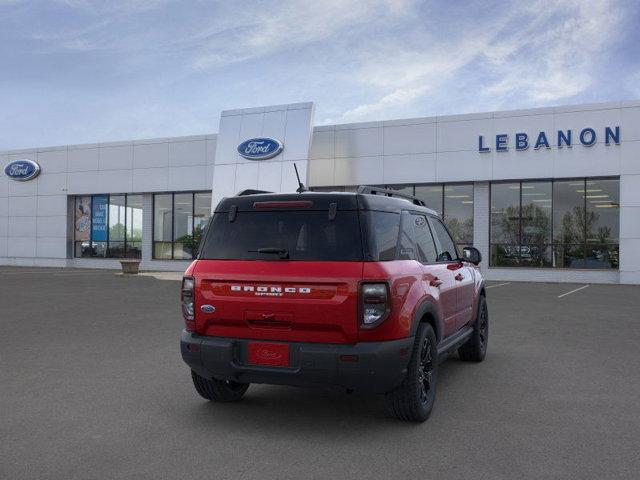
[(366, 189), (251, 191)]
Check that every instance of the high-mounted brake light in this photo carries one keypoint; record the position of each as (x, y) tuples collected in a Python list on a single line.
[(186, 297), (375, 303), (284, 204)]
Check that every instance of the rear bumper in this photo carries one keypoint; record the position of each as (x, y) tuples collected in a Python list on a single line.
[(380, 366)]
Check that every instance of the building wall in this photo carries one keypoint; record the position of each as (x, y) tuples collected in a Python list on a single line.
[(445, 149), (36, 217), (291, 124)]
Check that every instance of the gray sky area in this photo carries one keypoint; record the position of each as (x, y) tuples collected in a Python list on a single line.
[(76, 71)]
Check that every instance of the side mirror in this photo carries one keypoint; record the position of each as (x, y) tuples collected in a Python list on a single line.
[(472, 255)]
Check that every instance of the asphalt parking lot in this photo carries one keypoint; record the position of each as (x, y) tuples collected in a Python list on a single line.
[(92, 386)]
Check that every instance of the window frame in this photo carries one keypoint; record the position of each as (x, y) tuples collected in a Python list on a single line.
[(193, 193)]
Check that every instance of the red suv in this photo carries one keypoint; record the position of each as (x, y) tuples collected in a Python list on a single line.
[(364, 291)]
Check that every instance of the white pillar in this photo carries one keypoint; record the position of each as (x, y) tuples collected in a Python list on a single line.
[(291, 124), (630, 229)]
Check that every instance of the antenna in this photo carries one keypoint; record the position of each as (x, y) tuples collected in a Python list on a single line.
[(301, 188)]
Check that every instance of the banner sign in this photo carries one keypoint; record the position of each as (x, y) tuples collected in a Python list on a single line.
[(99, 218), (83, 219)]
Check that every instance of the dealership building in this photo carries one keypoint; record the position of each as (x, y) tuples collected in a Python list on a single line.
[(547, 194)]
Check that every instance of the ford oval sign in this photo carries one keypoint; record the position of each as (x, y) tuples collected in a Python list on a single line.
[(22, 170), (260, 148)]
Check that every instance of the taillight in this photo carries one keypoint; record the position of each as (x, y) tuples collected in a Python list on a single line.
[(375, 303), (186, 298)]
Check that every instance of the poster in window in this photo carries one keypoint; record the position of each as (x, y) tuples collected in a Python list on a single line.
[(83, 219), (99, 218)]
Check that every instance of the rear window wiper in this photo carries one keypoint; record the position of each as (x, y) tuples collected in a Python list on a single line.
[(283, 253)]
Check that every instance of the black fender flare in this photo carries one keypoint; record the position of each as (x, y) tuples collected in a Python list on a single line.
[(427, 307)]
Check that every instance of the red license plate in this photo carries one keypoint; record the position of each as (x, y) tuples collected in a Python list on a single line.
[(272, 354)]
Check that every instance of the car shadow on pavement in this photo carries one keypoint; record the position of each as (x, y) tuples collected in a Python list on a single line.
[(295, 411)]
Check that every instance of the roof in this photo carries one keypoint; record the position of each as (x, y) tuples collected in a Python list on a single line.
[(322, 200)]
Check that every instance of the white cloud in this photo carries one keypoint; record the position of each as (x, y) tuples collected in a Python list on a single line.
[(554, 63), (544, 52), (259, 32)]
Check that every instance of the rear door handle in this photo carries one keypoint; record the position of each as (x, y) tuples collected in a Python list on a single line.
[(459, 277), (435, 282)]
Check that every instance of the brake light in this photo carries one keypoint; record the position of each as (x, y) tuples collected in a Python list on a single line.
[(375, 303), (186, 298), (284, 204)]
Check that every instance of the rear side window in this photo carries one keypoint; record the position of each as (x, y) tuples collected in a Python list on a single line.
[(407, 239), (305, 235), (424, 241), (446, 248), (383, 230)]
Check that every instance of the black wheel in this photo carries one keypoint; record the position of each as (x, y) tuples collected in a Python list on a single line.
[(475, 349), (413, 400), (218, 390)]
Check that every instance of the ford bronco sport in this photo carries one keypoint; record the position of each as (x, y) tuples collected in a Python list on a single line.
[(364, 291)]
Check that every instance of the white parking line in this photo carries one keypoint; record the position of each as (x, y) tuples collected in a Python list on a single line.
[(573, 291), (498, 285)]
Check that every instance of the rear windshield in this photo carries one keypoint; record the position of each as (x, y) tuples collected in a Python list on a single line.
[(303, 235)]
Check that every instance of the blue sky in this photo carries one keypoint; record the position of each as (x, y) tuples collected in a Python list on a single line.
[(76, 71)]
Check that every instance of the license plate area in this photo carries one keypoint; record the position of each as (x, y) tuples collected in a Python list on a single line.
[(268, 354)]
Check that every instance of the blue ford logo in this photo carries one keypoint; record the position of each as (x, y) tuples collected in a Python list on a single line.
[(208, 308), (260, 148), (22, 170)]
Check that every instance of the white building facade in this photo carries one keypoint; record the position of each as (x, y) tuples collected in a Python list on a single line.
[(549, 194)]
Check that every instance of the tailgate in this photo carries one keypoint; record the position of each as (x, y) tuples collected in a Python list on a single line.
[(278, 300)]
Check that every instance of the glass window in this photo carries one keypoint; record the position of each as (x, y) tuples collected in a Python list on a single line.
[(183, 226), (569, 223), (458, 212), (162, 225), (445, 245), (424, 240), (505, 223), (99, 225), (201, 213), (565, 223), (179, 220), (383, 234), (603, 223), (108, 226), (407, 250), (535, 242), (431, 195), (304, 235), (134, 226), (82, 226), (117, 219), (402, 189)]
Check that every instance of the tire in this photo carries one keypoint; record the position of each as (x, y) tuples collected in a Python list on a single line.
[(475, 349), (413, 400), (218, 390)]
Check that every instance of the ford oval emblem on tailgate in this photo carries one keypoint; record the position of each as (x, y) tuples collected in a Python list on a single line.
[(208, 308)]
